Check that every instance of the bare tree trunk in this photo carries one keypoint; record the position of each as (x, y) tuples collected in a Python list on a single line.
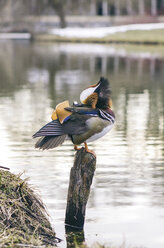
[(81, 6), (58, 6), (61, 16), (9, 7), (117, 7), (79, 188), (105, 7), (153, 7), (141, 7), (92, 7), (33, 6), (129, 7)]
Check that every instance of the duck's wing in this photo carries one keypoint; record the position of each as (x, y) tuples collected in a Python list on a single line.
[(52, 128), (83, 111), (76, 123), (52, 135), (76, 120)]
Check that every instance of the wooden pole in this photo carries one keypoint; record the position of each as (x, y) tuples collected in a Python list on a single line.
[(81, 176)]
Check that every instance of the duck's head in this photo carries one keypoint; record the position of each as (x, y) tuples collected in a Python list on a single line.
[(97, 95)]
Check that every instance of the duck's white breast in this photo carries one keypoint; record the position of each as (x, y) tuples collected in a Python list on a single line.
[(100, 134)]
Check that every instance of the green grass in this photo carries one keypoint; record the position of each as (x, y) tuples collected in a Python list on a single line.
[(138, 37)]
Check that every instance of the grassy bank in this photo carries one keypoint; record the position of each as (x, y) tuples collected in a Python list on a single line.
[(23, 218), (150, 37), (138, 37)]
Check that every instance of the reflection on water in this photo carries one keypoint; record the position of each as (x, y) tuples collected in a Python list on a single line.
[(127, 197)]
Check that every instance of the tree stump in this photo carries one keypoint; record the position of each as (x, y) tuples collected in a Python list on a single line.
[(81, 176), (75, 239)]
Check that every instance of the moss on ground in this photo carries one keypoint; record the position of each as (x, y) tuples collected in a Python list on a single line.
[(23, 218)]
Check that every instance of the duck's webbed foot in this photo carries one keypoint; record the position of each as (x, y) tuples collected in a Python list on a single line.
[(87, 149), (76, 148)]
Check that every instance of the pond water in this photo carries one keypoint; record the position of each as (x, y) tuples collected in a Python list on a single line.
[(126, 204)]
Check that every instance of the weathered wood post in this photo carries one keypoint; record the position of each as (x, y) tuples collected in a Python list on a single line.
[(81, 176)]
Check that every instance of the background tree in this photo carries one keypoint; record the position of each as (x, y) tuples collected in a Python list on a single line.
[(14, 11), (59, 7)]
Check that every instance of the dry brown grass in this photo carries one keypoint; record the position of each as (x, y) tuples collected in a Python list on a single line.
[(23, 218)]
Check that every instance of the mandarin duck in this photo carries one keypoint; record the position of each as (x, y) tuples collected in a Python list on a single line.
[(83, 122)]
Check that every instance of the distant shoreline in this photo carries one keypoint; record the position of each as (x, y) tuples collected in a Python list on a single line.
[(137, 37), (145, 34)]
